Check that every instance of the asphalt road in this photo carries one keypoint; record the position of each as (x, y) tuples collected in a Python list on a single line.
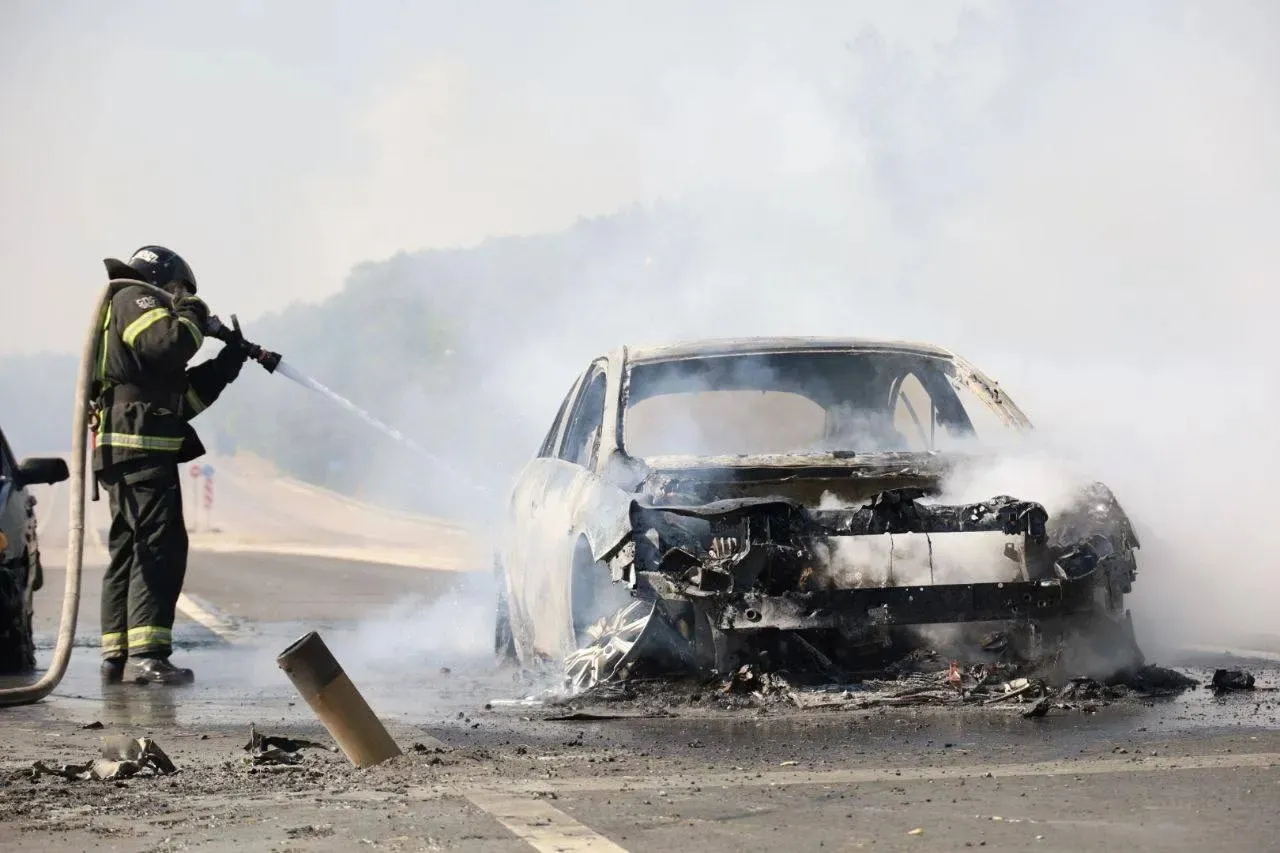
[(486, 771)]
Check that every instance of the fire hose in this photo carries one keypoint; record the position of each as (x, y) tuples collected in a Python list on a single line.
[(30, 693)]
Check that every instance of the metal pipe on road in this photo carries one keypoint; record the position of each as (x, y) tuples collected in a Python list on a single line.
[(320, 679)]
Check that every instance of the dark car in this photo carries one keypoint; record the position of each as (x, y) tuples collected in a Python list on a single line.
[(794, 499), (20, 571)]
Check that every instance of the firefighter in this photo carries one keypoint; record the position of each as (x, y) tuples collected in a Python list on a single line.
[(145, 397)]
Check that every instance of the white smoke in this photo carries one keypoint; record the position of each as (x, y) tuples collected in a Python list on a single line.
[(1078, 197)]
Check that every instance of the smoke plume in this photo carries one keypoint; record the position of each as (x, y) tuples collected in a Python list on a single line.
[(1079, 198)]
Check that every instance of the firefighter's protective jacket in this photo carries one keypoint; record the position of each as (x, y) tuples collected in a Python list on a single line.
[(146, 393)]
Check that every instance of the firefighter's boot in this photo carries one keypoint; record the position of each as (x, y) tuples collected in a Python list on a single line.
[(112, 670), (158, 671)]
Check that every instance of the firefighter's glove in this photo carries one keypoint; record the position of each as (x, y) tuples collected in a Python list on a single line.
[(230, 335), (194, 309), (230, 359), (234, 339)]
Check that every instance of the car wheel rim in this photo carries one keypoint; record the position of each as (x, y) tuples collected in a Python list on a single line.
[(608, 653)]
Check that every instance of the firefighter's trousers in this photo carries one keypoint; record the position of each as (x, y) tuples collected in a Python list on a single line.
[(148, 543)]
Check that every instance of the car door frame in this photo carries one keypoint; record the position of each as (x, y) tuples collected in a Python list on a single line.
[(525, 514), (548, 542), (580, 511)]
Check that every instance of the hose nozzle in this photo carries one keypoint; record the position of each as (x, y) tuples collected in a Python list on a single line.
[(268, 359), (232, 337)]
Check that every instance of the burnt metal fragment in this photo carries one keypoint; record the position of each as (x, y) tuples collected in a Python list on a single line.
[(122, 757), (1081, 689), (900, 511), (271, 749), (1229, 680), (1153, 680)]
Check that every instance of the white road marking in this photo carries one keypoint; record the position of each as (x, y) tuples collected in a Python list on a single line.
[(540, 825), (1081, 767), (207, 615)]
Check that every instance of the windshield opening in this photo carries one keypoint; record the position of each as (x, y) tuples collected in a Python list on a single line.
[(800, 402)]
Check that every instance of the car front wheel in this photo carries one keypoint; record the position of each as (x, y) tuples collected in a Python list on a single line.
[(17, 643)]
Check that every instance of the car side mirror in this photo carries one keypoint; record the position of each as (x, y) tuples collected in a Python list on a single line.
[(42, 470)]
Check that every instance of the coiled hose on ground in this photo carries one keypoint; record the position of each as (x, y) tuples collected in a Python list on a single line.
[(29, 693)]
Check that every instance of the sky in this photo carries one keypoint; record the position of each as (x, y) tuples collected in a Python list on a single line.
[(277, 145), (1082, 196)]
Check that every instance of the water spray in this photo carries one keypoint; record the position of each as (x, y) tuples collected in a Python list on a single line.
[(273, 362), (289, 371)]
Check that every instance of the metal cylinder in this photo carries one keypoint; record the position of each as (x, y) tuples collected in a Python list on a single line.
[(320, 679)]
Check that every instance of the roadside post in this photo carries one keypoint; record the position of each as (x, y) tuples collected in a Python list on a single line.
[(207, 472)]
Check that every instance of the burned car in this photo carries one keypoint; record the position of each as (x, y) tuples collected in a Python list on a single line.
[(705, 505)]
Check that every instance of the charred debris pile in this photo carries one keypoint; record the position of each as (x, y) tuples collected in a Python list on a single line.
[(743, 590), (991, 674)]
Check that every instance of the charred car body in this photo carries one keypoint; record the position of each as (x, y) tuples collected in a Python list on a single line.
[(709, 504)]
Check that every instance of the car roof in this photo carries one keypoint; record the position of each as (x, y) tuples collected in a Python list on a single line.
[(748, 346)]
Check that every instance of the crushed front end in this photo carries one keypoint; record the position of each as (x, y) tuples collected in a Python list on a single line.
[(763, 580)]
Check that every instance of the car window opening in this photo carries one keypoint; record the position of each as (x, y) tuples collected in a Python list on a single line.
[(798, 403)]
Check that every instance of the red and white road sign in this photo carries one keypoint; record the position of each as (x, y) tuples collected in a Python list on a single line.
[(208, 493)]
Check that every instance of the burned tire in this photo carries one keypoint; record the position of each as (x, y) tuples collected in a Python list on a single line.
[(17, 643), (504, 644)]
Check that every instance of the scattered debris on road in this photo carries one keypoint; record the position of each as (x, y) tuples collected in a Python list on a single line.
[(1153, 681), (122, 757), (1082, 690), (921, 678), (274, 750), (1229, 680), (1018, 688)]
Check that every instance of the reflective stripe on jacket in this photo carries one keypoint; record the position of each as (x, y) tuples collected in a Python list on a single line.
[(146, 391)]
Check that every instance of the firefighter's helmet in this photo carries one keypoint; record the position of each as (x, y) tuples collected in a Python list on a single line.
[(156, 265)]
